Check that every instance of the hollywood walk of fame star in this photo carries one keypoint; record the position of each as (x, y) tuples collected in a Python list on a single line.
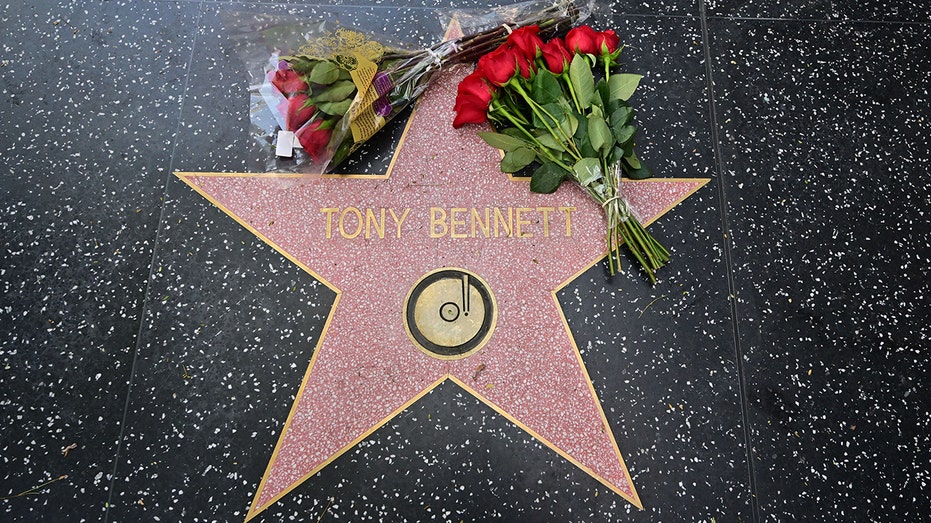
[(382, 243)]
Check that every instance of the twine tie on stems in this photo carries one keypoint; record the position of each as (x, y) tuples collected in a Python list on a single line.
[(622, 216)]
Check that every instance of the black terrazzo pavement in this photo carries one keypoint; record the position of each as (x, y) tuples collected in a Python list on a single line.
[(150, 347)]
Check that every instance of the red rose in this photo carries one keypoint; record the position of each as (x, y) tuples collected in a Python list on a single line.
[(475, 86), (470, 109), (472, 100), (607, 41), (582, 39), (287, 81), (525, 65), (556, 55), (498, 66), (314, 138), (294, 111), (526, 41)]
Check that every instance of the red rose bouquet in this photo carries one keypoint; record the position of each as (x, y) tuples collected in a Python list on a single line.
[(331, 91), (561, 109)]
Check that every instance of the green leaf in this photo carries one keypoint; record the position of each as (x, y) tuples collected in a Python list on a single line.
[(338, 91), (585, 147), (622, 85), (566, 106), (597, 101), (546, 178), (517, 159), (601, 88), (335, 108), (546, 87), (640, 173), (621, 117), (325, 72), (599, 134), (502, 141), (612, 105), (569, 124), (632, 160), (587, 170), (624, 133), (616, 154), (301, 64), (547, 140), (583, 81), (552, 113), (513, 132)]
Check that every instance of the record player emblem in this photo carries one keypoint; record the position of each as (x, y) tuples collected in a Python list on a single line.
[(450, 313)]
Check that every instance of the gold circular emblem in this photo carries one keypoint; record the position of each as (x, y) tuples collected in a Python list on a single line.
[(450, 313)]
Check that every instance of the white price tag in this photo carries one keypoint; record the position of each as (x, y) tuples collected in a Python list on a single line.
[(284, 146)]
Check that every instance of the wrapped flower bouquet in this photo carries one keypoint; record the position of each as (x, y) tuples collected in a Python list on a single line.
[(327, 88), (561, 109)]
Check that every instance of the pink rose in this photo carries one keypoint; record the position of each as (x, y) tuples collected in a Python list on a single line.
[(295, 112), (287, 82), (314, 138)]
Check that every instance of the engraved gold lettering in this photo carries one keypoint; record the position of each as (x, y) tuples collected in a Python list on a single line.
[(453, 222), (438, 217), (342, 227), (546, 219), (499, 219), (371, 222), (399, 221), (519, 222), (568, 211), (329, 211), (484, 226)]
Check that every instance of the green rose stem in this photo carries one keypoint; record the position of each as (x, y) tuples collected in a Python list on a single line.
[(645, 248), (500, 109), (568, 82), (609, 59), (647, 251), (537, 108), (513, 111), (624, 228)]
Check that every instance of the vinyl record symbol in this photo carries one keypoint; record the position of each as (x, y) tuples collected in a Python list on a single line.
[(450, 313)]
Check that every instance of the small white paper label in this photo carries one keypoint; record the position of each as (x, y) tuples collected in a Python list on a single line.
[(285, 144)]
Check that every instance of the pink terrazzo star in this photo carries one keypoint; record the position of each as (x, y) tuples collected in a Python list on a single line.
[(372, 239)]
